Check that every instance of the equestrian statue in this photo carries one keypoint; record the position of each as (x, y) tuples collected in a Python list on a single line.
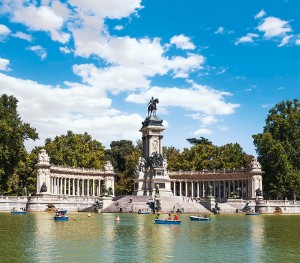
[(152, 107)]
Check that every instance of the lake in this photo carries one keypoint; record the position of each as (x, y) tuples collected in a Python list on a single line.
[(36, 237)]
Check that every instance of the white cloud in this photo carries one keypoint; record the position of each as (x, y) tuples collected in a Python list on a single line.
[(274, 27), (39, 18), (220, 30), (22, 35), (297, 42), (260, 14), (284, 40), (40, 51), (202, 131), (78, 108), (182, 42), (4, 64), (204, 119), (4, 31), (249, 38), (118, 27), (65, 50), (197, 98)]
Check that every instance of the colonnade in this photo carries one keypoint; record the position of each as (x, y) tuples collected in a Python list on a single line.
[(76, 186), (220, 189)]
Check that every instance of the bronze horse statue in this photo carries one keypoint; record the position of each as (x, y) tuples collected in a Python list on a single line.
[(152, 107)]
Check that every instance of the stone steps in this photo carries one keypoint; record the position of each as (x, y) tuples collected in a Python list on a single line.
[(136, 203)]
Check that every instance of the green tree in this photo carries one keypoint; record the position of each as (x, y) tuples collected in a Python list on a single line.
[(205, 155), (173, 156), (75, 150), (196, 141), (278, 149), (124, 156), (13, 134)]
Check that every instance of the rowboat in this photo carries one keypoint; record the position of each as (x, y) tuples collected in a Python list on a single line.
[(200, 218), (252, 214), (18, 212), (61, 218), (167, 222), (143, 212), (60, 215)]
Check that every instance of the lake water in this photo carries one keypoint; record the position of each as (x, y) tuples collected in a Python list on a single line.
[(36, 237)]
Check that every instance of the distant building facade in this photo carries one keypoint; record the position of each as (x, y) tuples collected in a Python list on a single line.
[(66, 181)]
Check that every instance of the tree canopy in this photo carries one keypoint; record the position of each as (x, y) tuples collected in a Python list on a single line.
[(278, 149), (124, 156), (75, 150), (205, 155), (13, 133)]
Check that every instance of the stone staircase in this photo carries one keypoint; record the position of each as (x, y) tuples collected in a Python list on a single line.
[(226, 208), (136, 203)]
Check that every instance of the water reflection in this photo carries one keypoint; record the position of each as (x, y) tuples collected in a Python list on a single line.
[(36, 237)]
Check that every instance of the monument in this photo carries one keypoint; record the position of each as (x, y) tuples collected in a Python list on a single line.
[(151, 169)]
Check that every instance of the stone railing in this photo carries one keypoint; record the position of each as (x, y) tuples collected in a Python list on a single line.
[(215, 171), (79, 170)]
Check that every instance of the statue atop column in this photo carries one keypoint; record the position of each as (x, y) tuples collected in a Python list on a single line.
[(43, 157), (255, 165), (152, 107)]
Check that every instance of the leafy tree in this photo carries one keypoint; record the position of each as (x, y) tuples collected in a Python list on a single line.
[(278, 149), (124, 156), (173, 156), (208, 156), (13, 133), (75, 150), (196, 141)]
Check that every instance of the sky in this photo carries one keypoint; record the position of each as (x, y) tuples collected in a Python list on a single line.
[(217, 67)]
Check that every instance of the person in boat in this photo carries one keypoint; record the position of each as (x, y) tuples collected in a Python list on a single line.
[(205, 215), (170, 217), (176, 217), (157, 216)]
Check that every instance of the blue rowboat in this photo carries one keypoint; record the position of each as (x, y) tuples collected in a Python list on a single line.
[(252, 214), (200, 218), (143, 212), (18, 212), (167, 222), (61, 218), (60, 215)]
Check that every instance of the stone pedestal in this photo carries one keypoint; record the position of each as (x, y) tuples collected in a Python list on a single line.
[(208, 202)]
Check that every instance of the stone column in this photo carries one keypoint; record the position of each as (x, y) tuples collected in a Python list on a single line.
[(78, 187), (93, 192), (174, 189), (192, 186), (180, 188), (88, 187), (82, 187), (186, 189), (65, 186), (198, 189), (219, 189)]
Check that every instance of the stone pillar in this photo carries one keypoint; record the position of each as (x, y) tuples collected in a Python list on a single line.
[(93, 190), (88, 187), (82, 187), (78, 187), (192, 186), (43, 174), (174, 189), (73, 186), (180, 188), (219, 184), (198, 189), (186, 189)]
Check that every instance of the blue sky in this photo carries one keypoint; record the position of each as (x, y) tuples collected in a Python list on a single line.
[(216, 66)]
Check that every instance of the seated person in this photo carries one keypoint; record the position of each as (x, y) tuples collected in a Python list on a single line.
[(176, 217)]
